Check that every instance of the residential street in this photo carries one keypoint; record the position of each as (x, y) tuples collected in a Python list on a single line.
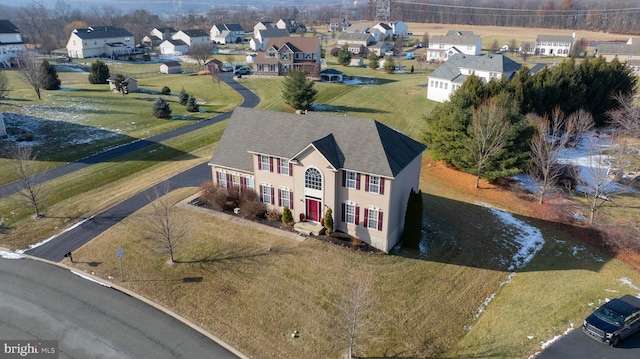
[(40, 301)]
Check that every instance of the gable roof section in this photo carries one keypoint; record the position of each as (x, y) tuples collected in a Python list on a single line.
[(493, 63), (383, 25), (195, 33), (176, 42), (460, 33), (101, 32), (618, 49), (273, 32), (7, 27), (361, 145), (555, 38), (296, 44), (456, 40), (229, 27), (354, 36)]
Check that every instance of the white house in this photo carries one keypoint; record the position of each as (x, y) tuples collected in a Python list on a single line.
[(261, 41), (229, 33), (442, 47), (100, 41), (385, 31), (554, 45), (192, 37), (157, 35), (449, 76), (399, 28), (10, 43), (174, 47), (261, 25)]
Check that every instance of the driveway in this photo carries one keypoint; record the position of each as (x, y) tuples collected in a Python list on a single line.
[(41, 301)]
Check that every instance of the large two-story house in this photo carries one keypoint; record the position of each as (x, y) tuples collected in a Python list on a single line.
[(100, 41), (10, 43), (158, 35), (628, 52), (554, 45), (449, 76), (442, 47), (286, 54), (360, 168), (192, 37), (260, 40)]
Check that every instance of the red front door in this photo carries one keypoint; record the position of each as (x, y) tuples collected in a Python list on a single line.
[(313, 209)]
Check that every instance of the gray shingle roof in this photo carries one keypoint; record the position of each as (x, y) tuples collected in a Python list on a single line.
[(361, 145), (618, 49), (195, 33), (7, 27), (230, 27), (101, 32), (455, 40), (450, 70), (555, 38), (354, 36), (459, 33), (273, 32)]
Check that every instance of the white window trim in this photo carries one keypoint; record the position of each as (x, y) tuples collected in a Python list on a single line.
[(266, 193), (375, 218), (352, 214), (353, 181), (371, 184)]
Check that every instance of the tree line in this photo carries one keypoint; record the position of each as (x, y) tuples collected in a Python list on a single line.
[(501, 128)]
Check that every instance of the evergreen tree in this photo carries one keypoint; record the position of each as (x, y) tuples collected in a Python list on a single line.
[(297, 92), (192, 105), (161, 108), (98, 73), (328, 221), (389, 65), (287, 216), (50, 80), (183, 97), (121, 84), (374, 61), (412, 233), (165, 90), (344, 55)]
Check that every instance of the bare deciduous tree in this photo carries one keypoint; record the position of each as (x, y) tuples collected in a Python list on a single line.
[(627, 115), (201, 52), (356, 306), (216, 77), (31, 70), (552, 135), (166, 224), (489, 134), (29, 179), (595, 178)]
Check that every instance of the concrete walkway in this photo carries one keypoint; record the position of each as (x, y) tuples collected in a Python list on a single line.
[(186, 203)]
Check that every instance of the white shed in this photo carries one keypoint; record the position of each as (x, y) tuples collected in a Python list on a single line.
[(171, 67)]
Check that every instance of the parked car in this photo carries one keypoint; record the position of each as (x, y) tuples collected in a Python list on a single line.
[(227, 67), (244, 70), (614, 321), (417, 46), (410, 56), (390, 53)]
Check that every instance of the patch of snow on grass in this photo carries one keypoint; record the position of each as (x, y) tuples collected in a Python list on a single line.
[(355, 80), (10, 255), (529, 239), (488, 300), (628, 282)]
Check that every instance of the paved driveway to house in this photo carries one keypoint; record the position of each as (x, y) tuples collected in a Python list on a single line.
[(577, 345), (41, 301)]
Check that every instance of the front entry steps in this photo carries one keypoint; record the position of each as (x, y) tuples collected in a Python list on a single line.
[(308, 228)]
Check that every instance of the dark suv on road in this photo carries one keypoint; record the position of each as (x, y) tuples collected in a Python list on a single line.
[(615, 320)]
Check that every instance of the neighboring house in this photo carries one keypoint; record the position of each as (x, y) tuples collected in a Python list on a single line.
[(331, 75), (554, 45), (290, 25), (361, 28), (132, 84), (214, 65), (157, 35), (360, 168), (399, 28), (355, 39), (385, 32), (260, 41), (380, 48), (192, 37), (628, 53), (449, 76), (286, 54), (229, 33), (100, 41), (174, 47), (171, 67), (261, 25), (10, 43), (338, 25), (225, 37), (442, 47)]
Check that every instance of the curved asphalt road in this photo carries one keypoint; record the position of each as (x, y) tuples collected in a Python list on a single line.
[(56, 248), (40, 301), (250, 100), (577, 345)]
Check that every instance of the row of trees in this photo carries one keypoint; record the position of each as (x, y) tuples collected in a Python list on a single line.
[(502, 128)]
